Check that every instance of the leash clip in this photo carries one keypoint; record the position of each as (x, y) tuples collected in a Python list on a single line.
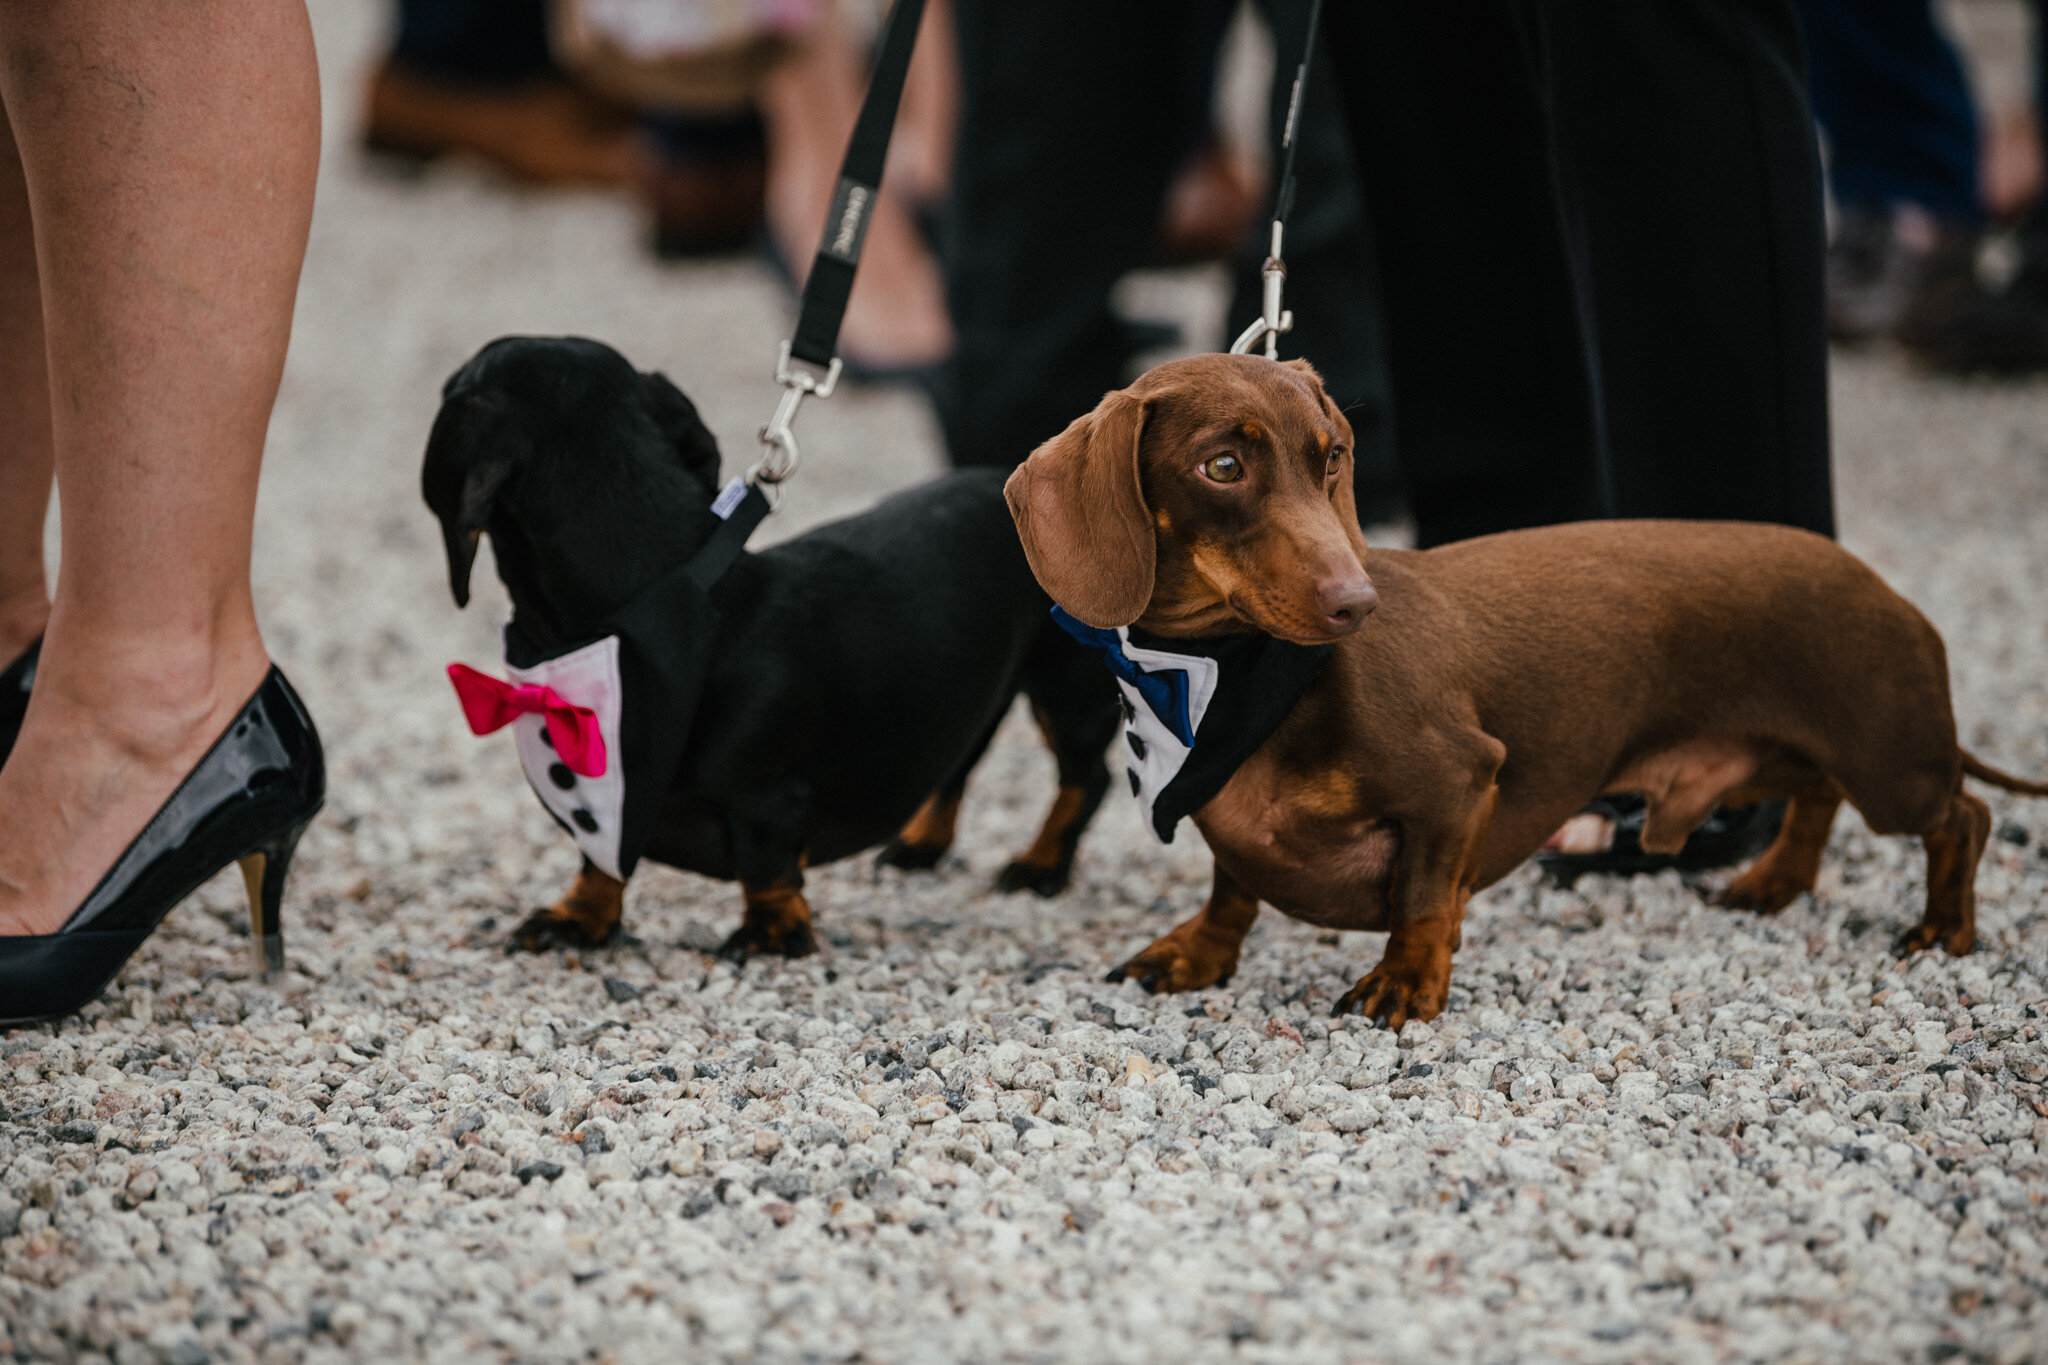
[(782, 456), (1272, 319)]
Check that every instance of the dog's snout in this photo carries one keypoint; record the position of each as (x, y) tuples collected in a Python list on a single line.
[(1345, 601)]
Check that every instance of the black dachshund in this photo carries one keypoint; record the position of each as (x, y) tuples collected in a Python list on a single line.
[(841, 685)]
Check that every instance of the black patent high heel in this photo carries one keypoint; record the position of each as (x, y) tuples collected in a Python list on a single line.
[(15, 681), (246, 802)]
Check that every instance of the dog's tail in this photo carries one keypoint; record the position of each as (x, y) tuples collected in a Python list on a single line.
[(1984, 772)]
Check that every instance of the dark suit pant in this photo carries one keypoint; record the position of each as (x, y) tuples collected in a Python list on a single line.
[(1597, 224)]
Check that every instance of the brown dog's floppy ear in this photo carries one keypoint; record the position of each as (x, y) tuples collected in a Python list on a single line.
[(1081, 514)]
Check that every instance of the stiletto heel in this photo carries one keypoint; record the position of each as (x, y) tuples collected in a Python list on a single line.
[(263, 874), (247, 802)]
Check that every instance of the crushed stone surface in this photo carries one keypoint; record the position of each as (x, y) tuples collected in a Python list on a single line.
[(1645, 1130)]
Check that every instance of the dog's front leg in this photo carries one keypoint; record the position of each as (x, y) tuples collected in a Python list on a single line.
[(777, 921), (770, 862), (586, 917), (1433, 878), (1201, 951)]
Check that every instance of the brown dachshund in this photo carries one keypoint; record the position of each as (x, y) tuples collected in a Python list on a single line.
[(1499, 685)]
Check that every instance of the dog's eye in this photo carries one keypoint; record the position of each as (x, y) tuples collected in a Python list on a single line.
[(1335, 463), (1223, 468)]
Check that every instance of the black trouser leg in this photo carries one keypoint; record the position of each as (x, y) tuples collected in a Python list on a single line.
[(1332, 280), (1600, 233), (1072, 118)]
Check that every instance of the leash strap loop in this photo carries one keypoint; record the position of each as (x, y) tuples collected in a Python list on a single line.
[(830, 284), (853, 202), (1272, 319)]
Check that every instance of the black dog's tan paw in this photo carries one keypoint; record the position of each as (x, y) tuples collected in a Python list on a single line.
[(1034, 877), (763, 939), (910, 857), (545, 930), (587, 917)]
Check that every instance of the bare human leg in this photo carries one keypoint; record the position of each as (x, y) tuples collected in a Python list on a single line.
[(25, 450), (168, 148)]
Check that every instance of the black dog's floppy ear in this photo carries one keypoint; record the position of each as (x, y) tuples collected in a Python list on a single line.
[(676, 417), (468, 461)]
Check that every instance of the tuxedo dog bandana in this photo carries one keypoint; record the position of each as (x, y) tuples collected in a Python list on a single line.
[(1195, 710), (601, 726)]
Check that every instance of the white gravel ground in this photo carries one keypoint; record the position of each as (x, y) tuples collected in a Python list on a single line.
[(1646, 1130)]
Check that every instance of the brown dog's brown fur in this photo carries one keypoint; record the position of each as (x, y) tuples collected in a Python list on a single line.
[(1502, 683)]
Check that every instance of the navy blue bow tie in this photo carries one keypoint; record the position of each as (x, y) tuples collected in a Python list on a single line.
[(1165, 693)]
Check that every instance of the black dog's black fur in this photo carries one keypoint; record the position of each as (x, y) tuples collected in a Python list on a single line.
[(857, 670)]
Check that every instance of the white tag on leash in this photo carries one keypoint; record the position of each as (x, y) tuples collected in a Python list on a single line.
[(728, 498)]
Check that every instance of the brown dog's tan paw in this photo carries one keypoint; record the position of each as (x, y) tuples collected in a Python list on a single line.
[(1763, 895), (1390, 999), (1922, 936), (1184, 960)]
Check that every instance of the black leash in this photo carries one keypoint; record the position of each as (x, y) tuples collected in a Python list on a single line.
[(1272, 320), (853, 202), (745, 503)]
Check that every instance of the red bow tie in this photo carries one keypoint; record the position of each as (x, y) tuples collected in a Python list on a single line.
[(490, 704)]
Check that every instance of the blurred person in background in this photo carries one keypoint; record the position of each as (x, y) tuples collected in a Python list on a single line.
[(1598, 230), (728, 117), (1915, 193)]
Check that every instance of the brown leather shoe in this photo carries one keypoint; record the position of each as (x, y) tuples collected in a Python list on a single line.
[(1884, 261), (543, 131)]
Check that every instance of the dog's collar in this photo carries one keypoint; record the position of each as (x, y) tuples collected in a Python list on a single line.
[(740, 507), (1195, 710)]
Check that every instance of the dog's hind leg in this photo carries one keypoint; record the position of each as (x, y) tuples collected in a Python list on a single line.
[(587, 917), (1788, 869), (1077, 711), (1046, 866), (1201, 951), (1953, 849), (921, 843)]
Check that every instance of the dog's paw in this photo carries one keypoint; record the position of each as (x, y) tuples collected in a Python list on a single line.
[(755, 938), (910, 857), (1762, 895), (1922, 936), (1180, 961), (545, 930), (1391, 999), (1034, 877)]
